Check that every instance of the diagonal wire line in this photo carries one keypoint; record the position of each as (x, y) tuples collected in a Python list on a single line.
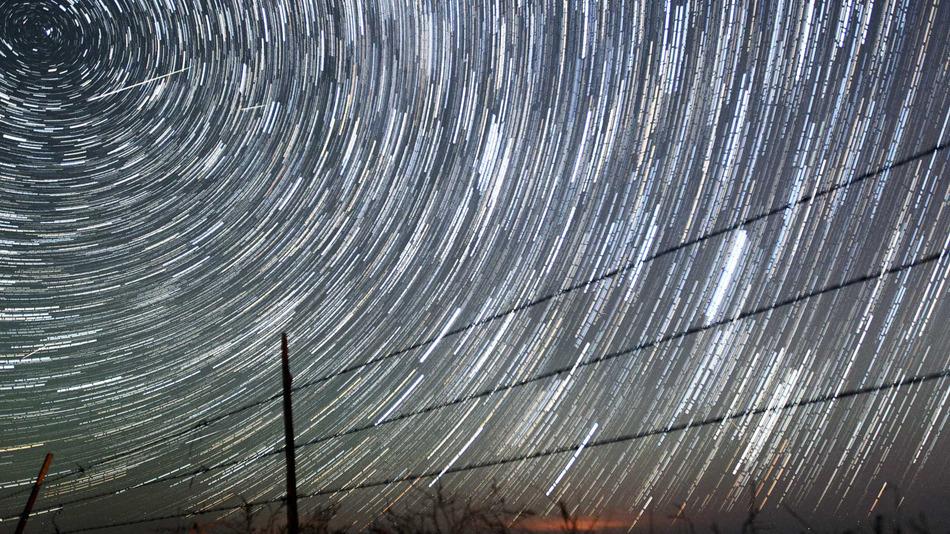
[(550, 374), (631, 264), (627, 351), (655, 431), (164, 440), (539, 300)]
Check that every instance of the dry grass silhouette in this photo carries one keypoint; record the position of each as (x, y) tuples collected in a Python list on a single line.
[(440, 512)]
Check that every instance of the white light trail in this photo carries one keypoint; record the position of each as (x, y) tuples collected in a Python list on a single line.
[(457, 456), (573, 459), (728, 273), (402, 398), (441, 335), (139, 84)]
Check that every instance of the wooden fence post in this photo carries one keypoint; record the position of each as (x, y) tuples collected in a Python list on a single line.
[(293, 521), (36, 491)]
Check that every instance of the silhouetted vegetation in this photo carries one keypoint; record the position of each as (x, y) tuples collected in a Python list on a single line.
[(439, 512), (257, 519)]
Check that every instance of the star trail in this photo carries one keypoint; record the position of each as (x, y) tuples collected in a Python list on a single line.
[(636, 256)]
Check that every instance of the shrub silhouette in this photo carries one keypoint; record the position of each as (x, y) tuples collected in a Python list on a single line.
[(441, 513)]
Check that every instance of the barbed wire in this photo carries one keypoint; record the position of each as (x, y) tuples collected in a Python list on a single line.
[(550, 374), (167, 438), (655, 431)]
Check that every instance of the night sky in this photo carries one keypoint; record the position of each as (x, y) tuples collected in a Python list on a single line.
[(524, 243)]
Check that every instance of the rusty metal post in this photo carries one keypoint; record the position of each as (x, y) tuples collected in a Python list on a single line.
[(36, 491), (293, 522)]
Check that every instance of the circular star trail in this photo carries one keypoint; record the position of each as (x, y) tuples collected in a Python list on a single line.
[(490, 230)]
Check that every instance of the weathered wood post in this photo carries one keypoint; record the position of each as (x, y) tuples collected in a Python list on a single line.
[(293, 521), (36, 491)]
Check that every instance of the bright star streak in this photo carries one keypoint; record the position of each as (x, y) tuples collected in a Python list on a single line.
[(573, 459), (139, 84)]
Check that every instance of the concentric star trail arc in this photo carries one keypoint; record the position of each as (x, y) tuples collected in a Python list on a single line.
[(491, 231)]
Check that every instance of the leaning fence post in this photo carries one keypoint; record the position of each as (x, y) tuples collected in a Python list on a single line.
[(36, 491), (293, 523)]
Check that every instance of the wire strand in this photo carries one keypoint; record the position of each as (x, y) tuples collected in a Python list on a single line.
[(504, 313), (550, 374), (655, 431)]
